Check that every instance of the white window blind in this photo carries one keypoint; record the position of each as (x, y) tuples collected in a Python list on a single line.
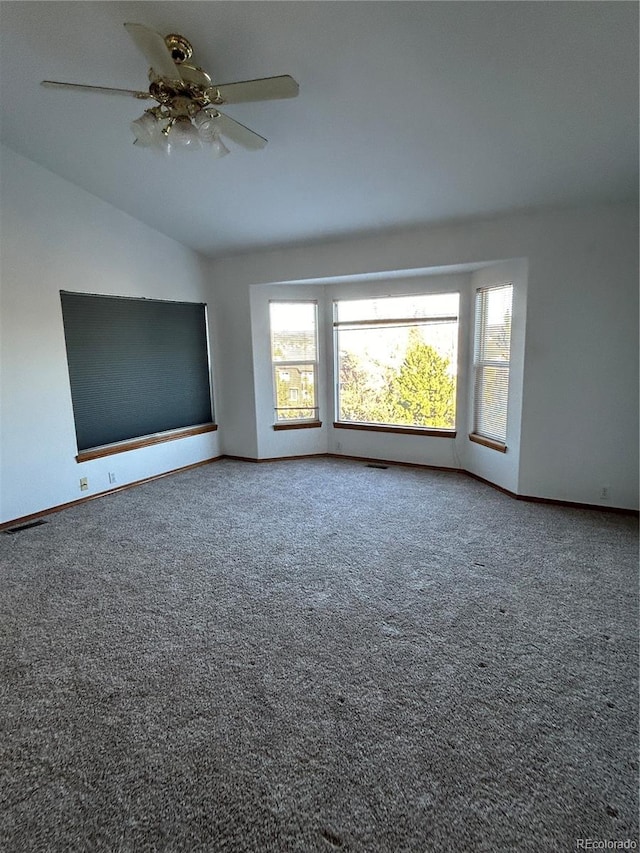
[(492, 350)]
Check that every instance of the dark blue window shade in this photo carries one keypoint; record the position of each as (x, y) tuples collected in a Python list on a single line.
[(136, 366)]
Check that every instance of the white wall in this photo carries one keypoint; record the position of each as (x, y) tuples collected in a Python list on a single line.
[(579, 396), (580, 406), (55, 237), (230, 324)]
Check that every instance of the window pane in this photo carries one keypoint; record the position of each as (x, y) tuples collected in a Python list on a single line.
[(294, 357), (295, 389), (492, 391), (293, 414), (492, 353), (293, 331), (402, 376), (495, 325), (432, 305)]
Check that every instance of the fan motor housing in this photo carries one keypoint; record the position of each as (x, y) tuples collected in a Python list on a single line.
[(179, 48)]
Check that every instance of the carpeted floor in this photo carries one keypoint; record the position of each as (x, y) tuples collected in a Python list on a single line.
[(320, 656)]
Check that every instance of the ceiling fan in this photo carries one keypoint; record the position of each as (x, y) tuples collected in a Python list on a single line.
[(187, 114)]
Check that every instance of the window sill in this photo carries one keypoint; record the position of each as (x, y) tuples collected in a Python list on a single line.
[(491, 443), (298, 425), (145, 441), (437, 433)]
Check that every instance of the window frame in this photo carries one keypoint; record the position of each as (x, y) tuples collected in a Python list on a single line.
[(300, 365), (400, 429), (480, 364)]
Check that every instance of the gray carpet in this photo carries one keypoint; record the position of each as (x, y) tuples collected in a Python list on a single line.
[(318, 656)]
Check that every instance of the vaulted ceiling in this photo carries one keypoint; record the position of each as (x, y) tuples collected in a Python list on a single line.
[(409, 112)]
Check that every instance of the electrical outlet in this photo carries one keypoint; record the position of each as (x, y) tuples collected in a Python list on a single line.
[(112, 477), (84, 484), (338, 446), (605, 493)]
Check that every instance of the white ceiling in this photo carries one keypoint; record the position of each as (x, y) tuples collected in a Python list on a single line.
[(408, 113)]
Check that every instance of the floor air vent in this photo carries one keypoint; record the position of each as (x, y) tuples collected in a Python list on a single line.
[(20, 527), (376, 465)]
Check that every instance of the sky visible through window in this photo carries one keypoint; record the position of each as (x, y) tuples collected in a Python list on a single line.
[(292, 316)]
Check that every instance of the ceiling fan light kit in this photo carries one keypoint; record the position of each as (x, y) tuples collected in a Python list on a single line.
[(187, 115), (159, 129)]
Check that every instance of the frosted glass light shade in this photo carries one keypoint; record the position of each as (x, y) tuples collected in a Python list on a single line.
[(218, 148), (206, 124), (183, 133), (146, 130), (162, 145)]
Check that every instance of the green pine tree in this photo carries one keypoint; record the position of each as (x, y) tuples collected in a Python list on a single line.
[(422, 393)]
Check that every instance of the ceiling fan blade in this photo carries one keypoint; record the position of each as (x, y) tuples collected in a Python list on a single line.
[(105, 90), (265, 89), (153, 46), (239, 133)]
